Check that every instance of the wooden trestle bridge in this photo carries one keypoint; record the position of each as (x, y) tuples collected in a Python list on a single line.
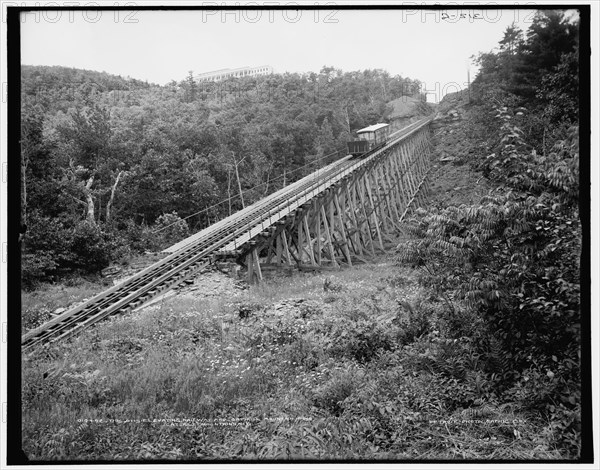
[(344, 211)]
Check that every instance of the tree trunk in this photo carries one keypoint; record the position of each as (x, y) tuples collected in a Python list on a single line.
[(112, 196), (347, 119), (268, 179), (90, 201), (23, 222)]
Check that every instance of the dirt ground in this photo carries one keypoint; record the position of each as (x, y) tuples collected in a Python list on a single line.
[(453, 182)]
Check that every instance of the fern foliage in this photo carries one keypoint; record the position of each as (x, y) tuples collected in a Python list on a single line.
[(514, 257)]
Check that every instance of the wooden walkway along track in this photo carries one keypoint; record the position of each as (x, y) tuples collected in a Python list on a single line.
[(342, 210), (352, 214)]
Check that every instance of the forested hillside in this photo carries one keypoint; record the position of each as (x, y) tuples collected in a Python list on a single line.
[(111, 165), (465, 344), (511, 262)]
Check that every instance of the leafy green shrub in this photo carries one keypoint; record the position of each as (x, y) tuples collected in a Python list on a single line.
[(96, 247), (341, 383), (553, 389), (42, 391), (55, 247), (47, 249), (508, 272), (303, 353), (460, 322), (139, 237), (36, 267), (398, 281), (522, 248), (413, 322), (32, 318), (276, 334), (170, 229), (360, 340), (309, 310), (374, 403)]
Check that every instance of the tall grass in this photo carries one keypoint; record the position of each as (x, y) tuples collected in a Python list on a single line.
[(322, 366)]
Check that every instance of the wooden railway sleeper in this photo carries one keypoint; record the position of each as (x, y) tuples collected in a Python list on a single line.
[(103, 305)]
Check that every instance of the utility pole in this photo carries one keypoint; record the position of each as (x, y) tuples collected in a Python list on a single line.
[(237, 174), (469, 82), (229, 186)]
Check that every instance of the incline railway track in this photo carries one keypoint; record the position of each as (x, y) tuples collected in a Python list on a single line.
[(194, 254)]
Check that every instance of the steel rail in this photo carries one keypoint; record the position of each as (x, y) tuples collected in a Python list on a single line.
[(321, 188), (150, 278), (289, 189), (233, 231)]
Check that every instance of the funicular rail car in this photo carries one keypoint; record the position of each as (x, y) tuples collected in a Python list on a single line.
[(369, 138)]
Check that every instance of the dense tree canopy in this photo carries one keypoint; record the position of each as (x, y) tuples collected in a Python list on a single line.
[(512, 261), (109, 155), (538, 69)]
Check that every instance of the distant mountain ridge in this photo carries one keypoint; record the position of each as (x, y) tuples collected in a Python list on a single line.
[(57, 76)]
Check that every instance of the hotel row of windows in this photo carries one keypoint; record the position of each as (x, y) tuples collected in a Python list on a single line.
[(241, 73)]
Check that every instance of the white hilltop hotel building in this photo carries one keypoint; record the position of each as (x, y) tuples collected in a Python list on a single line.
[(224, 74)]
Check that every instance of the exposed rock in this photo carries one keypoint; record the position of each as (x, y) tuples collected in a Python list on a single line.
[(329, 285), (246, 309), (111, 271)]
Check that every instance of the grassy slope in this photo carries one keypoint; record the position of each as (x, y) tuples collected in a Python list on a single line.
[(39, 305), (357, 364), (342, 371)]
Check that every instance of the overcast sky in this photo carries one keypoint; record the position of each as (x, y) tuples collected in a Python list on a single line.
[(159, 46)]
